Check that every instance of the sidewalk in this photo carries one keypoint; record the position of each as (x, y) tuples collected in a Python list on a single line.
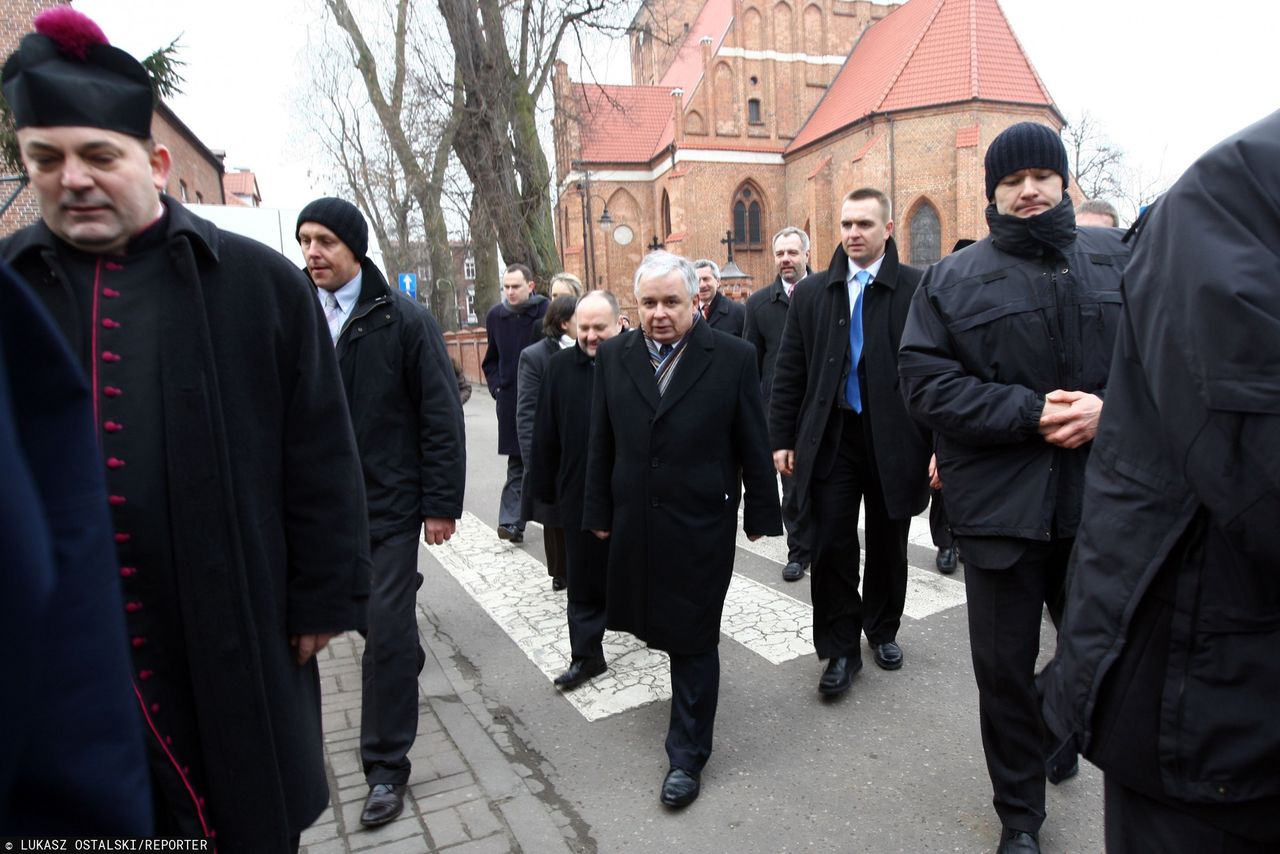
[(475, 787)]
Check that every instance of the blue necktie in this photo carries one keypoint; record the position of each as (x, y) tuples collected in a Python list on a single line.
[(852, 393)]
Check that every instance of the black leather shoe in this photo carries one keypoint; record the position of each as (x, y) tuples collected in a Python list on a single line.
[(1018, 842), (793, 571), (888, 656), (947, 560), (680, 788), (508, 533), (558, 583), (385, 802), (580, 670), (839, 673)]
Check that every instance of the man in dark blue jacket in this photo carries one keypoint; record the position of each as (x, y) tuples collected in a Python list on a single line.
[(71, 750), (408, 424), (511, 325), (1005, 357), (1166, 671)]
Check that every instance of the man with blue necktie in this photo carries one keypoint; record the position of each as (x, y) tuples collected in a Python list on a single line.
[(839, 426)]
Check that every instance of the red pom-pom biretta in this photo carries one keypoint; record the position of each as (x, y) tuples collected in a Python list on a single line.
[(73, 32)]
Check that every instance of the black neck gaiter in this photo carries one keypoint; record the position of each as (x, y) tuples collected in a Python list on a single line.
[(1030, 237)]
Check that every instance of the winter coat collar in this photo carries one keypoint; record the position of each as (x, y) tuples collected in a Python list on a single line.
[(1030, 237), (202, 234), (838, 269)]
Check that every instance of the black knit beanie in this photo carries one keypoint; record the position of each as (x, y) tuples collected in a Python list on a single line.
[(342, 218), (1026, 145)]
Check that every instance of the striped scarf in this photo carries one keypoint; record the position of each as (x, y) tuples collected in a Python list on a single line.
[(664, 358)]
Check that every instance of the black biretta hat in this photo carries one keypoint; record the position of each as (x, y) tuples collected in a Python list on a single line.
[(65, 74)]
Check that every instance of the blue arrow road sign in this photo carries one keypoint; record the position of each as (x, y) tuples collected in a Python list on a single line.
[(409, 284)]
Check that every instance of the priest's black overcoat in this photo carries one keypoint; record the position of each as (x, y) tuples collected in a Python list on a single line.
[(265, 501)]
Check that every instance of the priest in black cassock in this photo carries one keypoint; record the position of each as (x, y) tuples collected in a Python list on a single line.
[(667, 500), (235, 493)]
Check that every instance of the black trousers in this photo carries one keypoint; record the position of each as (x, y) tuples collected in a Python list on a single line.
[(799, 533), (1005, 610), (389, 668), (695, 692), (1137, 824), (840, 615), (586, 561)]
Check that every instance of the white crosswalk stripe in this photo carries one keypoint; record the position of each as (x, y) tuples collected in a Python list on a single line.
[(513, 588)]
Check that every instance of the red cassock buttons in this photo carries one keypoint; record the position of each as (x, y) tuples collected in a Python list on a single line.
[(138, 642), (144, 675), (128, 571), (115, 500), (108, 356), (115, 463), (133, 607), (108, 323), (110, 293), (112, 391), (122, 538), (112, 426)]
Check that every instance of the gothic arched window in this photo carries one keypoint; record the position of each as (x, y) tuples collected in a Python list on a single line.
[(925, 233), (748, 215)]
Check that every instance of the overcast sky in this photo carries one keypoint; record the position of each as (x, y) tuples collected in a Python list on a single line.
[(1166, 81)]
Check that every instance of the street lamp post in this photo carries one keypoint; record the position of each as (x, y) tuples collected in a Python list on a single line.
[(588, 238)]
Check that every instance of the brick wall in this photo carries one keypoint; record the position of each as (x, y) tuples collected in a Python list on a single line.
[(191, 166)]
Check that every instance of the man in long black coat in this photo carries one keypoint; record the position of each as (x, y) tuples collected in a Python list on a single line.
[(511, 325), (1166, 671), (720, 312), (232, 476), (558, 476), (668, 500), (407, 418), (765, 319), (839, 424)]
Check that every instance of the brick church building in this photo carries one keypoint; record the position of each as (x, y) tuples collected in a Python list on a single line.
[(746, 116)]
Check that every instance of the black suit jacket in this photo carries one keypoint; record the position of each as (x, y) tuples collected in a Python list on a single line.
[(557, 471), (813, 364), (669, 496), (726, 315), (766, 317)]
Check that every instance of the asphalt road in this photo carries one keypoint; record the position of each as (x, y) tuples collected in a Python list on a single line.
[(894, 765)]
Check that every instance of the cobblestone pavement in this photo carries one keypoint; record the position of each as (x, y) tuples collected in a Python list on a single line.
[(475, 788)]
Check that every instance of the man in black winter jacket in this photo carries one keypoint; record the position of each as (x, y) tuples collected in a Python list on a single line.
[(1166, 671), (408, 424), (1005, 356)]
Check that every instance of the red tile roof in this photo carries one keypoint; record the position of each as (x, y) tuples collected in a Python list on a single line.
[(245, 183), (927, 52), (632, 124), (685, 71), (622, 124)]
